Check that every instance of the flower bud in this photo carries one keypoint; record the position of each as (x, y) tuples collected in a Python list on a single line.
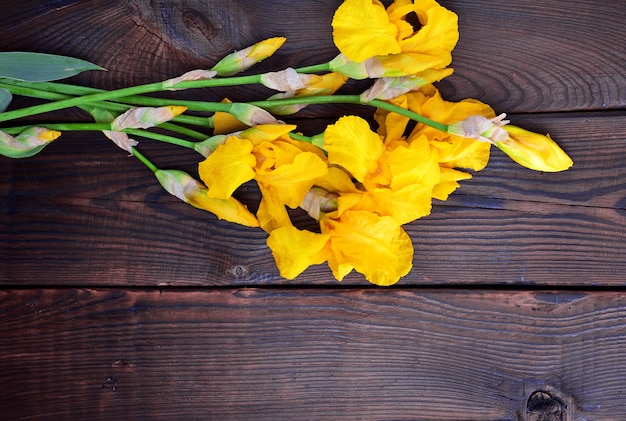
[(533, 150), (188, 189), (318, 200), (26, 144), (392, 87), (207, 146), (146, 117), (121, 139), (244, 59), (285, 80), (326, 84), (251, 115), (352, 69), (198, 74), (481, 128)]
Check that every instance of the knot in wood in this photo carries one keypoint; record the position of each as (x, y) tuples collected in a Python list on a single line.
[(543, 405)]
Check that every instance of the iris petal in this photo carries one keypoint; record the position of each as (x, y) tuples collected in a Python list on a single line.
[(361, 29), (228, 167)]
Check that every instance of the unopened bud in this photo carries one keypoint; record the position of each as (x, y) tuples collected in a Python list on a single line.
[(198, 74), (285, 80), (189, 190), (121, 139), (326, 84), (251, 115), (481, 128), (534, 151), (318, 201), (207, 146), (244, 59), (28, 143), (146, 117), (392, 87)]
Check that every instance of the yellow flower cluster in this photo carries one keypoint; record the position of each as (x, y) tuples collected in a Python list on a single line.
[(363, 185), (377, 42), (377, 182)]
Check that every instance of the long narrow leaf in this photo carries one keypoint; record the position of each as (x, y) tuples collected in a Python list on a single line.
[(40, 67), (5, 99)]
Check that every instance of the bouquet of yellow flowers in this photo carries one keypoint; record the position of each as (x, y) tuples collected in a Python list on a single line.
[(360, 179)]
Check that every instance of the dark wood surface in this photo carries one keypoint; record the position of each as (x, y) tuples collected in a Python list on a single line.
[(120, 302)]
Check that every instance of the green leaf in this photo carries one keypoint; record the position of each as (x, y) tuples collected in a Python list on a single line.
[(40, 67), (5, 99)]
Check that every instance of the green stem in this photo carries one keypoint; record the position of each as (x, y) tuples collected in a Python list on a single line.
[(184, 130), (130, 92), (161, 137), (351, 99), (110, 106), (408, 113), (132, 95), (302, 138), (144, 160), (68, 127), (317, 68)]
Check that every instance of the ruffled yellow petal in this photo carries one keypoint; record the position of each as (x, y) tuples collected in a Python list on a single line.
[(448, 182), (228, 167), (374, 245), (404, 205), (435, 40), (284, 152), (351, 144), (361, 29), (295, 250), (336, 180), (454, 151), (413, 163), (272, 213), (266, 132), (292, 181), (392, 125)]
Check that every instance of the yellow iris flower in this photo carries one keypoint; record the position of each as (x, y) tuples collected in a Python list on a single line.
[(284, 169), (453, 152), (386, 44), (376, 246), (396, 177)]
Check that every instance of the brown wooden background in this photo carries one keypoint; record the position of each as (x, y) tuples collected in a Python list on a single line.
[(120, 302)]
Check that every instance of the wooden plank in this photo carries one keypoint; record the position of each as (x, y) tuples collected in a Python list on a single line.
[(519, 56), (312, 354), (104, 220)]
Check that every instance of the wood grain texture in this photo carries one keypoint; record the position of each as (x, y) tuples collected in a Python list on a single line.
[(120, 302), (104, 220), (309, 354)]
